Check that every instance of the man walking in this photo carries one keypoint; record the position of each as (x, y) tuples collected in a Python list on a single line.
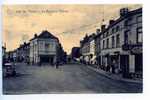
[(57, 64), (113, 67)]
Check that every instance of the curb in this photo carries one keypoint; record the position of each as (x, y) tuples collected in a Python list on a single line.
[(110, 77)]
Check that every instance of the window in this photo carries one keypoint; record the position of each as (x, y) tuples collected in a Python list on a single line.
[(126, 23), (126, 37), (107, 43), (46, 46), (118, 40), (113, 41), (103, 35), (130, 19), (139, 35), (113, 30), (107, 33), (139, 19), (117, 28), (103, 44)]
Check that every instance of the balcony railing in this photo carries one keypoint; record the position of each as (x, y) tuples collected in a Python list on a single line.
[(130, 46)]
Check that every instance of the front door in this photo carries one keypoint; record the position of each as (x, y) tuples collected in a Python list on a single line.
[(124, 64), (138, 62)]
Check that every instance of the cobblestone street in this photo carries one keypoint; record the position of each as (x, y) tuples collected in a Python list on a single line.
[(69, 78)]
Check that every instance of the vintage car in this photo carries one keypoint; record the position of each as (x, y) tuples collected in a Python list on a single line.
[(9, 70)]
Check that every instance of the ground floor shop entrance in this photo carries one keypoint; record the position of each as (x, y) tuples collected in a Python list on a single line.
[(124, 65), (47, 59), (138, 62)]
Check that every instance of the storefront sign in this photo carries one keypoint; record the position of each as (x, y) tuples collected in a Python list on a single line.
[(136, 50)]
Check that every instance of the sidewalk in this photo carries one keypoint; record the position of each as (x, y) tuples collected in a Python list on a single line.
[(117, 77)]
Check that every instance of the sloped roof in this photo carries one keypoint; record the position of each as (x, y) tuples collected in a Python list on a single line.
[(46, 35)]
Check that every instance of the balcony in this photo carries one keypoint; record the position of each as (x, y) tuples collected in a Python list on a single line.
[(134, 48)]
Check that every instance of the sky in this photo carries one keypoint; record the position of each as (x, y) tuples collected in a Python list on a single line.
[(70, 23)]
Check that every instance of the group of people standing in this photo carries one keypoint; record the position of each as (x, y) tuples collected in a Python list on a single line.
[(112, 67)]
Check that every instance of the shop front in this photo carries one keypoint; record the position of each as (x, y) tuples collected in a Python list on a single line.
[(138, 61), (111, 62), (47, 59), (132, 64)]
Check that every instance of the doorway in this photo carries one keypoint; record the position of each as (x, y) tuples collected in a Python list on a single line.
[(124, 64), (46, 59), (138, 62)]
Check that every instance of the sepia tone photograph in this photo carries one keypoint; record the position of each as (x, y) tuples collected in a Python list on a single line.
[(72, 49)]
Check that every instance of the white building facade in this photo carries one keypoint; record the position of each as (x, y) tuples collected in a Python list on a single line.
[(121, 43), (43, 48), (87, 49)]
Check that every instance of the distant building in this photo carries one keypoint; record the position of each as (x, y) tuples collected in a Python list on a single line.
[(92, 49), (75, 52), (22, 53), (98, 47), (9, 56), (61, 54), (3, 51), (44, 48), (3, 54), (14, 55), (84, 49), (87, 49)]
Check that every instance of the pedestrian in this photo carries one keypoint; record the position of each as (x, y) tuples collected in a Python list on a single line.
[(57, 64), (113, 67), (108, 68)]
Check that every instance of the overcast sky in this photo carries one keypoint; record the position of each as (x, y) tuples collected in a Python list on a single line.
[(69, 23)]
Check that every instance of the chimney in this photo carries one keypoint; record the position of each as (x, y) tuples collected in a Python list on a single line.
[(25, 43), (103, 27), (124, 11), (93, 34), (111, 22), (97, 31), (35, 35)]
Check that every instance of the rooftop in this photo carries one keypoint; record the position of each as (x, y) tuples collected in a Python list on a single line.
[(44, 34)]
